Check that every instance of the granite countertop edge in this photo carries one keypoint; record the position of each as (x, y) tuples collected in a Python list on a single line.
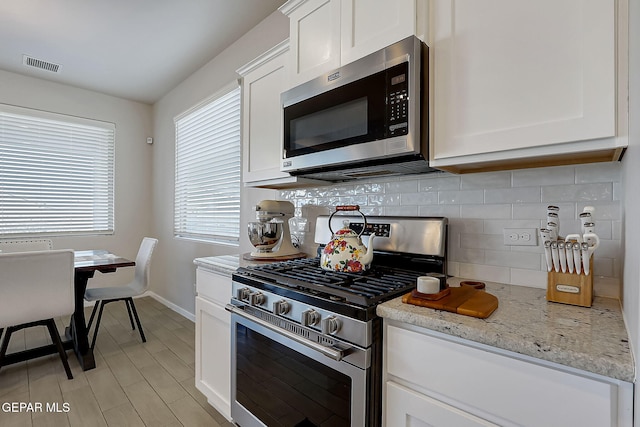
[(222, 264), (589, 339)]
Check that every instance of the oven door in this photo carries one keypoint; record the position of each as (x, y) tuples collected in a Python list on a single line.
[(279, 380)]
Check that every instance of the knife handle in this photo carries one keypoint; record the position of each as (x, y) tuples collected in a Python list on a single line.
[(563, 257), (547, 254), (555, 257), (585, 258), (569, 254)]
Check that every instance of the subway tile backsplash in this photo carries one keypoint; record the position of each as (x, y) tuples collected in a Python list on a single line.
[(479, 206)]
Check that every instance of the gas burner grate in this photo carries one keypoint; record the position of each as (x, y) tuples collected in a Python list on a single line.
[(365, 289)]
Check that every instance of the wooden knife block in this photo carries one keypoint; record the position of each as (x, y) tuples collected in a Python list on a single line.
[(583, 283)]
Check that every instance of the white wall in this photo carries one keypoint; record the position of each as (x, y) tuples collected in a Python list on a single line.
[(173, 270), (133, 156)]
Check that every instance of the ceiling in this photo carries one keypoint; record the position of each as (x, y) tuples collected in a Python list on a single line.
[(133, 49)]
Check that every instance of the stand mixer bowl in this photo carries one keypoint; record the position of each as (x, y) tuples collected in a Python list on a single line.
[(265, 236)]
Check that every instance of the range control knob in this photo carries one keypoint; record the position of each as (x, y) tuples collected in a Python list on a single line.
[(243, 294), (330, 325), (256, 298), (310, 318), (281, 307)]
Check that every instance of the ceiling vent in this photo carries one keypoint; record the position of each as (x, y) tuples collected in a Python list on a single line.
[(30, 61)]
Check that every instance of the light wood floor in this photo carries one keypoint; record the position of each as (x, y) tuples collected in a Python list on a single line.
[(133, 384)]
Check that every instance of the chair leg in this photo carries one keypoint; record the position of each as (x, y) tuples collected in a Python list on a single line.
[(55, 337), (93, 313), (5, 344), (135, 314), (131, 308), (128, 304), (95, 332)]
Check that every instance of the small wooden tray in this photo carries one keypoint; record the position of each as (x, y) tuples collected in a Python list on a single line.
[(463, 300)]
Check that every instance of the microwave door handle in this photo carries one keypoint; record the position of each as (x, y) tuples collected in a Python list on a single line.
[(327, 351)]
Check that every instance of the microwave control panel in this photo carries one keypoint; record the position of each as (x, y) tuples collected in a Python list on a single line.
[(398, 100)]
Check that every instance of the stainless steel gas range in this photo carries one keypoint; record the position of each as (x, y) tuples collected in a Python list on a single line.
[(306, 343)]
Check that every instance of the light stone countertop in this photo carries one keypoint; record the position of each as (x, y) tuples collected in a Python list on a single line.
[(223, 264), (591, 339)]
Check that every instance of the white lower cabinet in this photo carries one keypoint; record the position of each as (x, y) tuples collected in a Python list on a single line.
[(408, 408), (434, 380), (213, 339)]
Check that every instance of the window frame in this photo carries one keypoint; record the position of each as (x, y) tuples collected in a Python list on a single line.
[(70, 131), (180, 231)]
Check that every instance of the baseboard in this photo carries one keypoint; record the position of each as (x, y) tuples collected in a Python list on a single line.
[(171, 305), (162, 301)]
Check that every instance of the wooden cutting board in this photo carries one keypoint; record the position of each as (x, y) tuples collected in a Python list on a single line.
[(462, 300)]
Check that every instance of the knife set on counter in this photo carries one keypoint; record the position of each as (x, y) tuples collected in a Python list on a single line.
[(570, 259)]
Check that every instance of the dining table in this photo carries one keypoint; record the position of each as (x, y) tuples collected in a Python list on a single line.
[(86, 263)]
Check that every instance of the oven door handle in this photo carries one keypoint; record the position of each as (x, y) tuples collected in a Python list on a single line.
[(327, 351)]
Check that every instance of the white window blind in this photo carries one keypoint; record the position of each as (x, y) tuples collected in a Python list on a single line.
[(207, 182), (56, 174)]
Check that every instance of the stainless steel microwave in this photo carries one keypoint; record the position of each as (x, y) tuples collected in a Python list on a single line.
[(368, 118)]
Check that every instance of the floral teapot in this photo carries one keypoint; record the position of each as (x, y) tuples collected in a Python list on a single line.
[(346, 252)]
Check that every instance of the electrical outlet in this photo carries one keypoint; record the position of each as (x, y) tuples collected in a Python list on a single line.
[(520, 236)]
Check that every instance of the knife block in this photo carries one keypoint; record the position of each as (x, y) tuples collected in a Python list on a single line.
[(573, 289)]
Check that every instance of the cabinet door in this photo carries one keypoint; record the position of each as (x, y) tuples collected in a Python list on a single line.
[(262, 117), (213, 359), (314, 33), (500, 388), (370, 25), (406, 408), (513, 74), (213, 286)]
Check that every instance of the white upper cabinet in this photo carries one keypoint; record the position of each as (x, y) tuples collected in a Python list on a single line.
[(314, 34), (326, 34), (263, 80), (369, 25), (522, 83)]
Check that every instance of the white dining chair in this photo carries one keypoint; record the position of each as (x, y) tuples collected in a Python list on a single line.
[(35, 287), (139, 285)]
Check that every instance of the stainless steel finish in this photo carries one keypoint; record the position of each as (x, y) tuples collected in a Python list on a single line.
[(416, 235), (309, 318), (330, 325), (414, 143), (335, 354), (256, 298), (265, 236), (281, 307), (351, 330), (355, 364), (243, 294)]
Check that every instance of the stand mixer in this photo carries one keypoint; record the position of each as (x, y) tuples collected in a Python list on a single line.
[(270, 235)]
